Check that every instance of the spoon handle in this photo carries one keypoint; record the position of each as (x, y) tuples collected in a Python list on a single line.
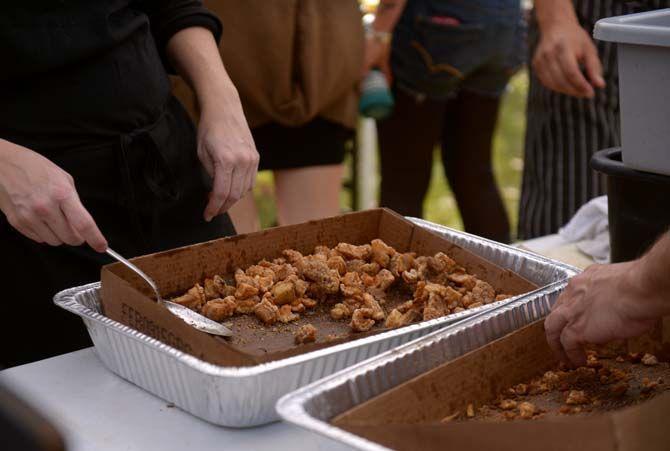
[(137, 271)]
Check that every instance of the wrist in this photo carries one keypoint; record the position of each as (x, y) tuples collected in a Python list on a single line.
[(5, 150), (553, 14), (218, 100), (651, 290), (9, 151)]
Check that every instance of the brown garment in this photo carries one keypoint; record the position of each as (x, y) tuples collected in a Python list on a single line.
[(291, 60)]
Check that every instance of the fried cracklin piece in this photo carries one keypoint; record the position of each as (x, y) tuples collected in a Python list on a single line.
[(242, 278), (264, 283), (308, 302), (283, 271), (381, 253), (426, 289), (441, 262), (193, 299), (300, 286), (216, 288), (292, 256), (283, 293), (323, 250), (337, 263), (435, 307), (266, 311), (261, 271), (441, 302), (286, 315), (483, 292), (397, 319), (353, 252), (220, 309), (362, 320), (412, 277), (369, 302), (325, 280), (245, 290), (340, 311), (246, 306), (463, 279), (384, 279), (297, 306), (305, 334), (351, 285), (370, 268), (401, 262)]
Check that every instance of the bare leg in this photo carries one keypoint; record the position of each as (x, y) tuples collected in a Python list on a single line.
[(308, 193), (244, 215)]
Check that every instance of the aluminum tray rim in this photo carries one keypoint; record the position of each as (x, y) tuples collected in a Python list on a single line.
[(528, 253), (66, 300)]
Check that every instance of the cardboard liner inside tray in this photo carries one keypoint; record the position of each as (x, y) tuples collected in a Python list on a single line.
[(407, 417), (127, 299)]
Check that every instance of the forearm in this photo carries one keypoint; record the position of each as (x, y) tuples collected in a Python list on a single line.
[(387, 15), (553, 12), (8, 152), (194, 54), (653, 271), (7, 148)]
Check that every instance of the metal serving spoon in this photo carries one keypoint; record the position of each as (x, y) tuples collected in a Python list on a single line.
[(190, 317)]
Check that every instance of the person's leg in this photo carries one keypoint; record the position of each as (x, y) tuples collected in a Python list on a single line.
[(406, 142), (244, 214), (307, 193), (470, 121)]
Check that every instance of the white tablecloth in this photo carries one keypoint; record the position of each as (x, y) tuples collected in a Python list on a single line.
[(97, 411)]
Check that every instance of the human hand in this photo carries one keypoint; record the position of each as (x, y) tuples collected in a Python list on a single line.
[(228, 154), (563, 47), (377, 54), (604, 303), (39, 200)]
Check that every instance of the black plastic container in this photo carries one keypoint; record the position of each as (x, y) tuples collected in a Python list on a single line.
[(638, 203)]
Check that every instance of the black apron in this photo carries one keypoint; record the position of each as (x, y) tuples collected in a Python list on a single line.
[(147, 193), (106, 116)]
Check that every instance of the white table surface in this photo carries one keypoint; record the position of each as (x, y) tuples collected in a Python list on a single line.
[(97, 410), (554, 246)]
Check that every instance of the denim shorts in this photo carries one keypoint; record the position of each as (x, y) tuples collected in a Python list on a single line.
[(441, 46)]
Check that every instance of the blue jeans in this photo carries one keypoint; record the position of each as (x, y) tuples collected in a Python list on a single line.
[(433, 55)]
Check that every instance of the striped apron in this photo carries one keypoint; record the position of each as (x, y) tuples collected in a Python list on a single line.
[(563, 132)]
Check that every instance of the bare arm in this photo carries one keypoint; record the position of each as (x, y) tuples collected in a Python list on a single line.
[(378, 43), (610, 302), (39, 200), (225, 146), (565, 46)]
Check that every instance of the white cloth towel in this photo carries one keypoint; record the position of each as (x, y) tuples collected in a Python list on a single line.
[(589, 230)]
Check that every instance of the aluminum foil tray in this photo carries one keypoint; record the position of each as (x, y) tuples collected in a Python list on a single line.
[(313, 406), (246, 396)]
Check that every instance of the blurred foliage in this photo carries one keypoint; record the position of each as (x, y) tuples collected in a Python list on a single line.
[(439, 205)]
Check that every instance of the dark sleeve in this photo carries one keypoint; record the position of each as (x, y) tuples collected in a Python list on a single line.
[(167, 17)]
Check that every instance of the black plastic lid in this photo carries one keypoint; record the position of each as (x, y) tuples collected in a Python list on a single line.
[(609, 162)]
